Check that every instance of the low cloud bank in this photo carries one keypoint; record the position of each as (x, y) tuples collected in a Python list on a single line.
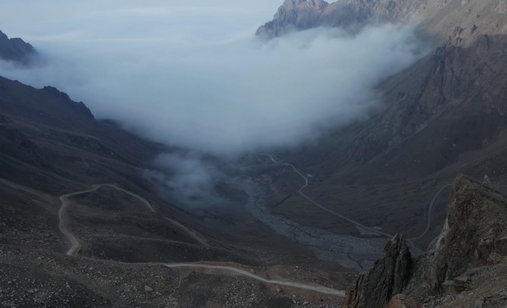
[(188, 179), (212, 88), (192, 75)]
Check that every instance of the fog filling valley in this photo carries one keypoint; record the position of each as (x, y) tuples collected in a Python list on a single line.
[(193, 75)]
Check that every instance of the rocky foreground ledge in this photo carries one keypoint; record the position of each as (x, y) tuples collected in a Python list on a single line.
[(466, 265)]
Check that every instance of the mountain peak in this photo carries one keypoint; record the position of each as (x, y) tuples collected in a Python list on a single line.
[(15, 49)]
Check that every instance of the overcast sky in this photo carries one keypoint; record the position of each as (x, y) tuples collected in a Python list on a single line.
[(133, 19), (192, 74)]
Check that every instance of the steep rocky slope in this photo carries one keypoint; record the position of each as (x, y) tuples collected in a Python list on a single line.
[(443, 115), (454, 99), (466, 265), (15, 49)]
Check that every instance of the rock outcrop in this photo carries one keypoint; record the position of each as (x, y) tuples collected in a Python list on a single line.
[(388, 276), (466, 265), (15, 49), (472, 235)]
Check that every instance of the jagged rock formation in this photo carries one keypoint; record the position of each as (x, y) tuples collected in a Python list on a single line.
[(466, 265), (15, 49), (388, 276), (464, 20)]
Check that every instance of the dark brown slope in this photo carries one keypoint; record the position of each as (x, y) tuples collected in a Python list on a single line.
[(466, 265), (15, 49)]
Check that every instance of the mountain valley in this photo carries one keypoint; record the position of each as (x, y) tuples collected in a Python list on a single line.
[(87, 218)]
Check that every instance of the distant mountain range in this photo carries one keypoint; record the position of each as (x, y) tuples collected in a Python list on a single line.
[(460, 22)]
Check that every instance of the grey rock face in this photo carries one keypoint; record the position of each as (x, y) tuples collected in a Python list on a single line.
[(466, 265), (387, 277), (472, 234)]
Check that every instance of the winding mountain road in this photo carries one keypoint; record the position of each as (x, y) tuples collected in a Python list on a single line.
[(285, 283), (75, 243), (76, 246), (322, 207), (430, 210), (358, 225)]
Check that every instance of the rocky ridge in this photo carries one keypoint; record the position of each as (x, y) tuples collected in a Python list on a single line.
[(457, 21), (388, 276), (465, 267)]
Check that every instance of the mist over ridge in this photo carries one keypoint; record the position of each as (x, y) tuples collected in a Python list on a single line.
[(171, 75)]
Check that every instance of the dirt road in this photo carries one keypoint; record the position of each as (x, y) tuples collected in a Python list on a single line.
[(75, 243), (284, 283)]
